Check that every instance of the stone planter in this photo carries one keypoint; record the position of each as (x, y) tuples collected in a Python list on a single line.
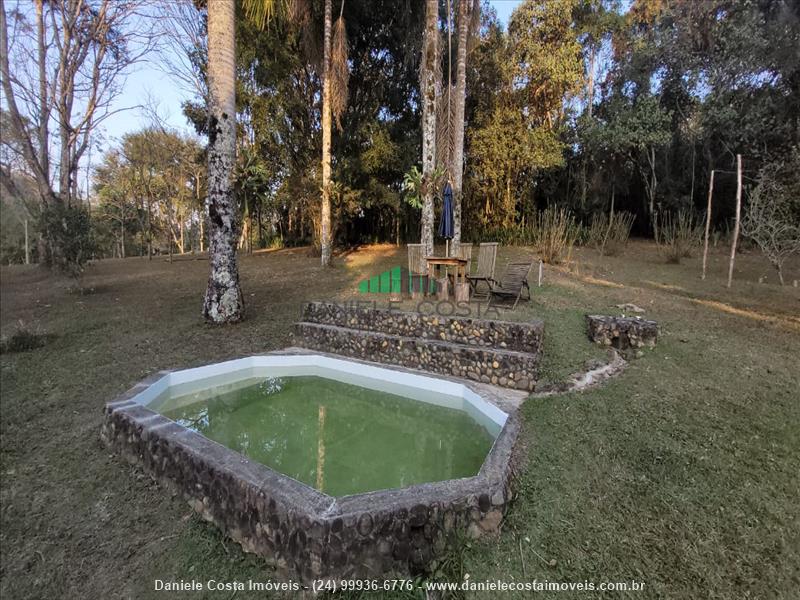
[(622, 332)]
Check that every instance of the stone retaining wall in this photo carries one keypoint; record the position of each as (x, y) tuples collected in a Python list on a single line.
[(303, 533), (502, 353), (516, 370), (622, 332), (507, 335)]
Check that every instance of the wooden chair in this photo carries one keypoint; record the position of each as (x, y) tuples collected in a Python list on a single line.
[(487, 255), (465, 251), (510, 287), (417, 268)]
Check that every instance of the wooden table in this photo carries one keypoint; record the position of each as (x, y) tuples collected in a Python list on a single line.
[(460, 264)]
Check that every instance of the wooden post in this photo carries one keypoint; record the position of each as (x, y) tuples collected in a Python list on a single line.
[(461, 287), (610, 220), (708, 223), (540, 272), (443, 289), (321, 449), (27, 245), (738, 216)]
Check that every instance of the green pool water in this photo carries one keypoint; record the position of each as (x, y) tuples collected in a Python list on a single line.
[(339, 438)]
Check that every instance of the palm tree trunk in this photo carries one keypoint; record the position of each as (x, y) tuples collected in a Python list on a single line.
[(429, 90), (325, 225), (457, 159), (223, 301)]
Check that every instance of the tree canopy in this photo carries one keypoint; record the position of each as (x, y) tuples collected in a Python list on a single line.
[(574, 101)]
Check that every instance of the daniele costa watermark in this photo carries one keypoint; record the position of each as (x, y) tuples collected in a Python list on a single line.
[(217, 585), (403, 585)]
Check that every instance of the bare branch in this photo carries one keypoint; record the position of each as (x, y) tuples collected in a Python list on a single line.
[(184, 46)]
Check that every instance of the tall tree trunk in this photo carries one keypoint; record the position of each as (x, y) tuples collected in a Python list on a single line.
[(64, 104), (325, 216), (589, 106), (708, 223), (691, 192), (223, 300), (18, 125), (610, 219), (590, 87), (457, 159), (429, 90), (44, 106), (260, 230), (27, 245), (149, 230), (738, 220), (201, 214), (651, 186)]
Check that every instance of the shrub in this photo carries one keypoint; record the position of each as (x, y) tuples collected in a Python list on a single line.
[(554, 233), (609, 235), (772, 219), (68, 230), (678, 234), (23, 338), (276, 243)]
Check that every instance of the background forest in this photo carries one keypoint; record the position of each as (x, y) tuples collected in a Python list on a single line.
[(592, 106)]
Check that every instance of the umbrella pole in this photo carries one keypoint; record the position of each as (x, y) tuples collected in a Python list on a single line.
[(447, 247)]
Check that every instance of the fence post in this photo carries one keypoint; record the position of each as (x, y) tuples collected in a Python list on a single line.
[(738, 216), (708, 222), (540, 272)]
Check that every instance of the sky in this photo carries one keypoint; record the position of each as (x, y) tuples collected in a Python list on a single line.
[(147, 84)]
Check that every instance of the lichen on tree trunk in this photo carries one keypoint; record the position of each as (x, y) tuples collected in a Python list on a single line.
[(429, 89), (465, 9), (223, 300)]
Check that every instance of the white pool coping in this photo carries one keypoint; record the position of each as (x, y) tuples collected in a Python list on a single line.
[(441, 392)]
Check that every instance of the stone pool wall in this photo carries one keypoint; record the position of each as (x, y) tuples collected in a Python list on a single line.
[(304, 534), (497, 352)]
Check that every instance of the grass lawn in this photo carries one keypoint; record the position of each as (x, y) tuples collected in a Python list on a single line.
[(682, 473)]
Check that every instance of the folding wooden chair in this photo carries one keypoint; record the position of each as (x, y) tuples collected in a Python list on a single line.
[(487, 256), (417, 269), (510, 287), (465, 251)]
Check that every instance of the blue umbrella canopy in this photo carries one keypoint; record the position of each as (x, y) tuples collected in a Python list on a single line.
[(446, 224)]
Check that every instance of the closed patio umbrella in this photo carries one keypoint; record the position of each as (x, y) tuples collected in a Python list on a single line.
[(446, 224)]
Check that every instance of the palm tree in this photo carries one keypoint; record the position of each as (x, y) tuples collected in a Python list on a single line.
[(429, 89), (466, 13), (223, 301), (325, 217), (334, 87)]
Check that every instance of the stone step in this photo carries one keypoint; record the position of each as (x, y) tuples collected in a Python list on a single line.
[(506, 368), (505, 335)]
